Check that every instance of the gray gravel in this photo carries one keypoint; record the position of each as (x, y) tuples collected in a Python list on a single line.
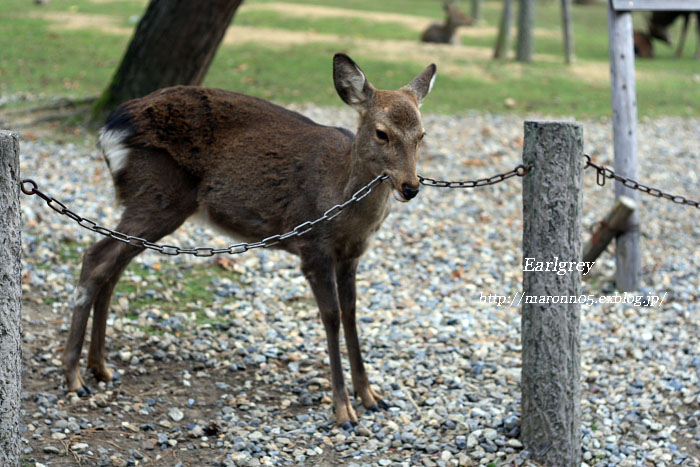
[(449, 364)]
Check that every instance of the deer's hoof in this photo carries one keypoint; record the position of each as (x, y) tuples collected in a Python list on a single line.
[(379, 406), (84, 391), (102, 373), (347, 426)]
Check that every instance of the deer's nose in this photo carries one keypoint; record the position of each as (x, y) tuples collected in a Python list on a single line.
[(408, 191)]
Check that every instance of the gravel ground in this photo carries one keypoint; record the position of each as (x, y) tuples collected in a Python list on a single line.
[(251, 386)]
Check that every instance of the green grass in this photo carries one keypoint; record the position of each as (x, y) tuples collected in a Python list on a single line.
[(192, 285), (350, 27), (39, 57)]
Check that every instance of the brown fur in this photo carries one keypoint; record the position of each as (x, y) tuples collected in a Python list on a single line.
[(658, 24), (255, 170), (643, 48)]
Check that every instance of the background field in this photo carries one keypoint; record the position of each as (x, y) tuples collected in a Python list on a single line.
[(282, 50)]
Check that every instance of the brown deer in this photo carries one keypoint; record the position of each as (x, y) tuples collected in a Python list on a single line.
[(445, 33), (255, 169), (659, 23)]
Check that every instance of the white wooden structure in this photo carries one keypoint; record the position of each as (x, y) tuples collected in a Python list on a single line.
[(624, 107)]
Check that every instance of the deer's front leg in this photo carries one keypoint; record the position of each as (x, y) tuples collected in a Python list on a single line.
[(346, 272), (321, 275)]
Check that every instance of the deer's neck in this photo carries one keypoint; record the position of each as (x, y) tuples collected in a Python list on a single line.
[(360, 175)]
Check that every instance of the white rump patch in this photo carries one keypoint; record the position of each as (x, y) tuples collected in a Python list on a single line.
[(115, 151)]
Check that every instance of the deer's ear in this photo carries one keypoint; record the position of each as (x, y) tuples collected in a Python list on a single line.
[(350, 82), (423, 83)]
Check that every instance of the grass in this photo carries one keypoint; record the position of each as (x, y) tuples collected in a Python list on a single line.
[(40, 57), (192, 286), (347, 26), (185, 285)]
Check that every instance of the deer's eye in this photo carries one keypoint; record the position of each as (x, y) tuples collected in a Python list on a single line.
[(382, 136), (420, 138)]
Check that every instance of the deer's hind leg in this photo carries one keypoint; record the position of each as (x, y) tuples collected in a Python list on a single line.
[(98, 276), (158, 198)]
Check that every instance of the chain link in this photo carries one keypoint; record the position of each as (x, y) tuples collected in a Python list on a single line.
[(603, 172), (520, 171), (29, 187)]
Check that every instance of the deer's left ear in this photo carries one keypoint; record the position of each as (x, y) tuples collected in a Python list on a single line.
[(423, 83), (350, 82)]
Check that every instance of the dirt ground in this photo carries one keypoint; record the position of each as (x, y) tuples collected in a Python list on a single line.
[(115, 412)]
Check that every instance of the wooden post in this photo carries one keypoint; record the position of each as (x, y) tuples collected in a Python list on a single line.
[(567, 29), (10, 301), (624, 109), (551, 357), (613, 224), (502, 47)]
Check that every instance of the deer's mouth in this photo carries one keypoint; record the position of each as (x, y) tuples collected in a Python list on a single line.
[(398, 195), (395, 190)]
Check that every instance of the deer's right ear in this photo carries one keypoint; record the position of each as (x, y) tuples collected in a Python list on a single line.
[(350, 82), (423, 83)]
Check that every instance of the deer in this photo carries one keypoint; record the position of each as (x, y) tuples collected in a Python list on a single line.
[(658, 24), (445, 33), (254, 169)]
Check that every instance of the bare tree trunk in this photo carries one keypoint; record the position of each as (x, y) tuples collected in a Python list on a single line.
[(502, 47), (10, 301), (174, 43), (476, 10), (551, 341), (526, 28), (567, 30)]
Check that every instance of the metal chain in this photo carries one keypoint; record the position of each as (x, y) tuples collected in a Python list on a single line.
[(603, 172), (171, 250), (520, 170), (303, 228)]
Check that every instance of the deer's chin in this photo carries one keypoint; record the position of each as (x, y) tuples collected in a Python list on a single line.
[(398, 196)]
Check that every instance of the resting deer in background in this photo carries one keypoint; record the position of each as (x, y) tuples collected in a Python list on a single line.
[(445, 33), (255, 169)]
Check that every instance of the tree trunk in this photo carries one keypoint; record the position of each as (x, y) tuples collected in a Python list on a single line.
[(502, 47), (174, 43), (551, 341), (476, 10), (526, 27), (567, 30), (10, 301)]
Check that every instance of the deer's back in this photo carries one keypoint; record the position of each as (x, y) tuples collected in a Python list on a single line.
[(210, 129), (254, 168)]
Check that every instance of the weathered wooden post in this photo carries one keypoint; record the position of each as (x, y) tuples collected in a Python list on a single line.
[(624, 110), (10, 301), (551, 367), (614, 222)]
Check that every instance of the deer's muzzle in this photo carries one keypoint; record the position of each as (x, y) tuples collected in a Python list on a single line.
[(408, 191)]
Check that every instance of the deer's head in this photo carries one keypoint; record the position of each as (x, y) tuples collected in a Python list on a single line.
[(391, 128)]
